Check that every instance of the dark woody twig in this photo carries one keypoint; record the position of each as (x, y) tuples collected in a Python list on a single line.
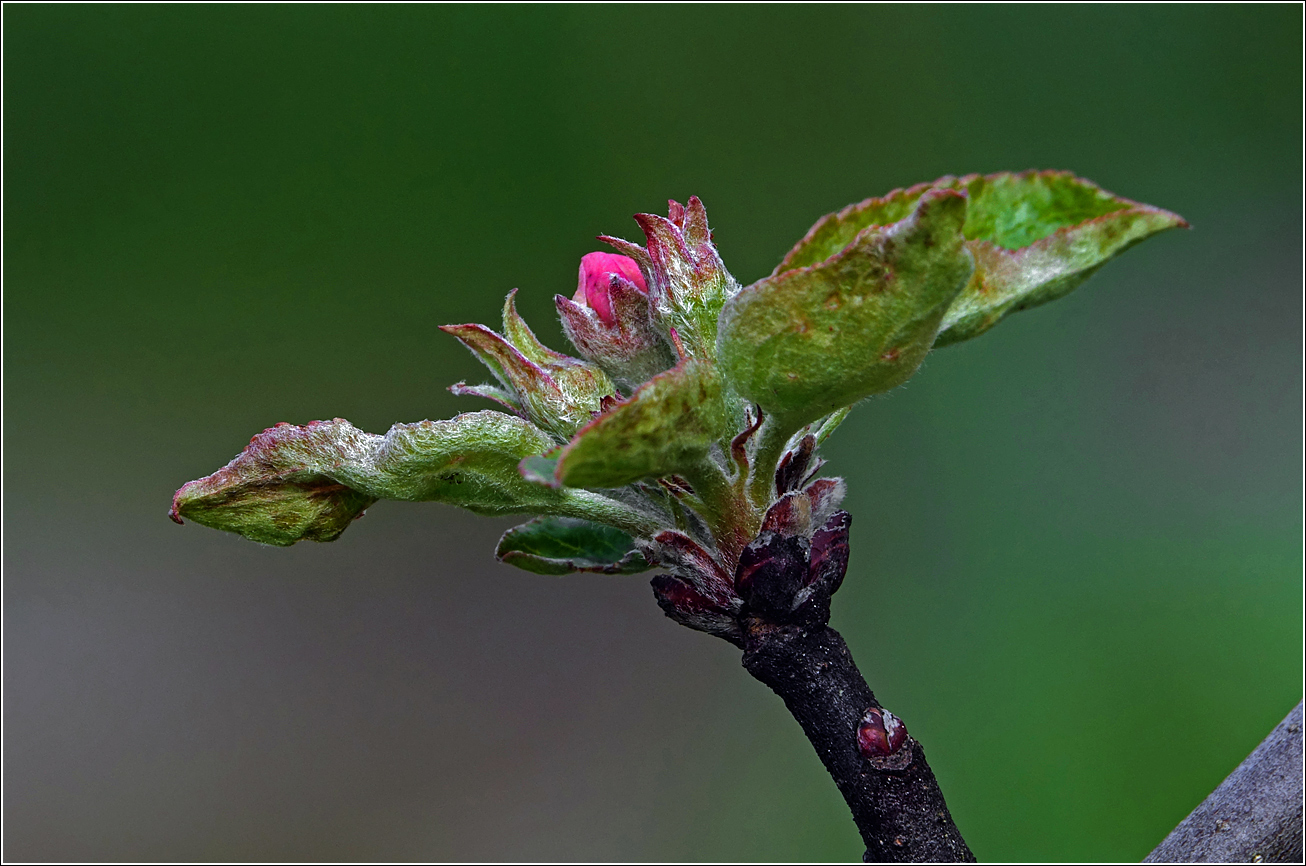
[(894, 798), (784, 580)]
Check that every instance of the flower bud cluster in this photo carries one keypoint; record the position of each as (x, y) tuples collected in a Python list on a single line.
[(608, 320)]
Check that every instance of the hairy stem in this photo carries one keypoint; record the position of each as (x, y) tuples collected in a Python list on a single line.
[(771, 442), (732, 519), (588, 505)]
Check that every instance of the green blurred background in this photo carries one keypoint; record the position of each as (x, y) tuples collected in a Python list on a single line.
[(1077, 541)]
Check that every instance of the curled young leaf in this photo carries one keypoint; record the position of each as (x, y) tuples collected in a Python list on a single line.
[(504, 398), (812, 340), (1035, 235), (556, 392), (666, 426), (564, 545), (293, 483)]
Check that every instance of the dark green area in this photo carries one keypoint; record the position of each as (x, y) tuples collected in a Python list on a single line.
[(1077, 561), (564, 545)]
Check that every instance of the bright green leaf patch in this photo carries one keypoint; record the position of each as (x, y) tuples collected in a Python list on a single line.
[(810, 341), (563, 545), (1007, 281), (1015, 210), (666, 426)]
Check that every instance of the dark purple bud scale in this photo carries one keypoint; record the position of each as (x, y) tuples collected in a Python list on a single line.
[(690, 608), (772, 569), (793, 465), (829, 557)]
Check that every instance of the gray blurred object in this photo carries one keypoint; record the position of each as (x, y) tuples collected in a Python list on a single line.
[(1255, 816)]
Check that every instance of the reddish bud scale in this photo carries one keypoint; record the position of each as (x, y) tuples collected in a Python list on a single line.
[(880, 734), (689, 607)]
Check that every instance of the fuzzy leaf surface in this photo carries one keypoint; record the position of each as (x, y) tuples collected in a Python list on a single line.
[(666, 426), (540, 468), (308, 482), (812, 340), (564, 545), (1035, 236)]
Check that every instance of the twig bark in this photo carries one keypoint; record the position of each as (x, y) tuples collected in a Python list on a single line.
[(1255, 816), (777, 609), (895, 799)]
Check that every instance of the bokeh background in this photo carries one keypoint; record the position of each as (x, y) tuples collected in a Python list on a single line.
[(1077, 541)]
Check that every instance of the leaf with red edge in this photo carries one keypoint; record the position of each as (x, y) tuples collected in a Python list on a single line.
[(1035, 235), (556, 392), (809, 341), (666, 426), (687, 281), (564, 545), (293, 483)]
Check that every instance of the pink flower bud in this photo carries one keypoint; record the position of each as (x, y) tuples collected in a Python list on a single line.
[(595, 284)]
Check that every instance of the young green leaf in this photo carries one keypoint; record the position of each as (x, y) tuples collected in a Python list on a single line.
[(687, 281), (292, 483), (564, 545), (540, 468), (812, 340), (1036, 236), (835, 231), (666, 426)]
